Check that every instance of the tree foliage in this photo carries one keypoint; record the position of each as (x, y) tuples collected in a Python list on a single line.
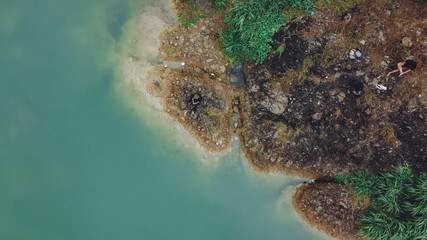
[(399, 203)]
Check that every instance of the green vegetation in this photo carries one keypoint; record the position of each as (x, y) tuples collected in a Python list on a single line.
[(157, 84), (219, 3), (338, 5), (398, 198), (191, 14), (284, 131), (252, 24), (302, 4), (169, 51), (387, 132), (307, 64)]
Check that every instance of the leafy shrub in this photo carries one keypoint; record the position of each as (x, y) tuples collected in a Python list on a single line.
[(399, 203)]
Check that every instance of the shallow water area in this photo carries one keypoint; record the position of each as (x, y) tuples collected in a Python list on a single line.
[(80, 159)]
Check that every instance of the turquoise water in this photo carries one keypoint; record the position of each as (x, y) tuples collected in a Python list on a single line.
[(77, 162)]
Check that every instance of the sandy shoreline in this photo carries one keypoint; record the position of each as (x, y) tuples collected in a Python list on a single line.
[(138, 53)]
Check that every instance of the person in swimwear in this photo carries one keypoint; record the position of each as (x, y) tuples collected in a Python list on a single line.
[(404, 67)]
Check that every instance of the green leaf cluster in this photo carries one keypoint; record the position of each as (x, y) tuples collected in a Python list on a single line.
[(399, 203), (252, 24), (191, 14), (302, 4), (219, 3)]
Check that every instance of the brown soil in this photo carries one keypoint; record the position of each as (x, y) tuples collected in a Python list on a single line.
[(197, 45), (323, 129), (210, 123), (330, 208)]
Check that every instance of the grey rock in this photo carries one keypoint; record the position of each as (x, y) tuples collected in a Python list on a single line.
[(235, 109), (334, 91), (381, 36), (383, 64), (207, 43), (198, 70), (341, 96), (407, 42), (360, 73), (205, 5), (317, 116), (235, 76), (276, 101), (181, 40)]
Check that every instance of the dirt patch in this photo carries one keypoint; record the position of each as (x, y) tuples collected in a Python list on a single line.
[(330, 208), (197, 45), (209, 120)]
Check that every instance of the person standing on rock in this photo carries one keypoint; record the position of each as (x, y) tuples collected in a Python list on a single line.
[(404, 67)]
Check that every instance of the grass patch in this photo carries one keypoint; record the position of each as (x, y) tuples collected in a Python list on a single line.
[(219, 3), (332, 54), (284, 131), (190, 14), (252, 24), (306, 65), (168, 51), (218, 114), (397, 203), (387, 133), (290, 76), (338, 6)]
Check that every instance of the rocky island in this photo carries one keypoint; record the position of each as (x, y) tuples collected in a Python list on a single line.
[(296, 110)]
